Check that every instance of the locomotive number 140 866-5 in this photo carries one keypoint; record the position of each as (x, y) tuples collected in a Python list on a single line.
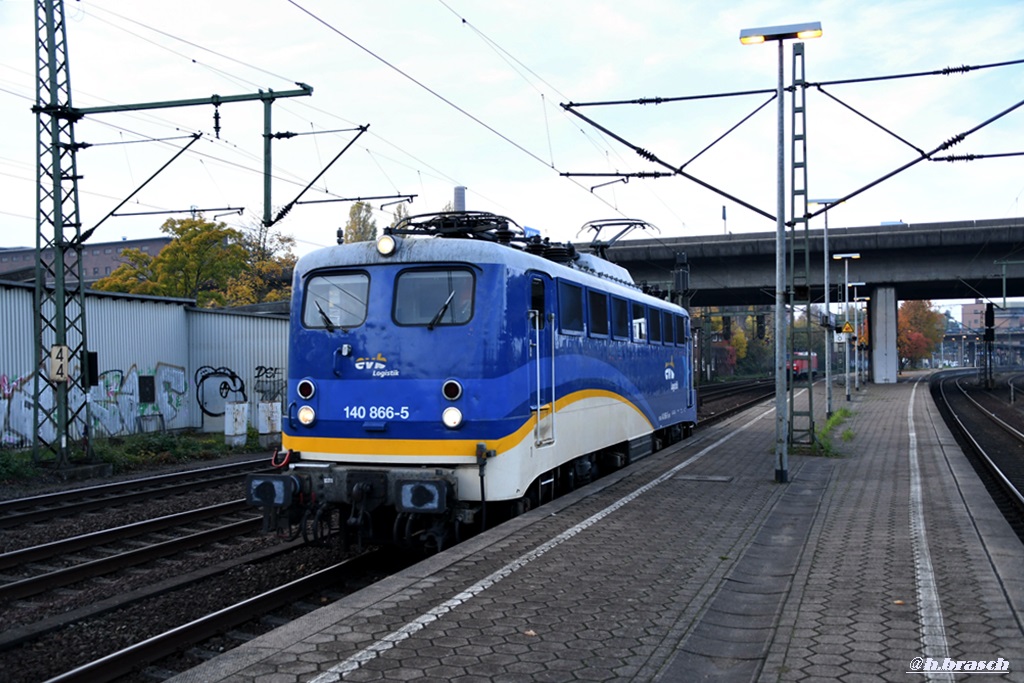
[(376, 412)]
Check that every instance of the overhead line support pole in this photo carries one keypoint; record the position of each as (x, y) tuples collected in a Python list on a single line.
[(62, 417)]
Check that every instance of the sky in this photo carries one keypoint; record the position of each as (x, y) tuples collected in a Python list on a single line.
[(463, 93)]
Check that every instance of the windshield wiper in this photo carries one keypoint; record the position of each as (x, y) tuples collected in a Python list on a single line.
[(440, 313), (326, 318)]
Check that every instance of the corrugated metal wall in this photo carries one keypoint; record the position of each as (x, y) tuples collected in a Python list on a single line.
[(235, 358), (15, 335), (162, 364), (140, 345)]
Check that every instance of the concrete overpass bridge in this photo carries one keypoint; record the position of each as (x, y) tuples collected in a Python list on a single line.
[(952, 260)]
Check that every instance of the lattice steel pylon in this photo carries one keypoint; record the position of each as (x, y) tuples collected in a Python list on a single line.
[(60, 407), (801, 422)]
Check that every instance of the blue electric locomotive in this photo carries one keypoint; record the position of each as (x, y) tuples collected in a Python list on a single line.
[(455, 366)]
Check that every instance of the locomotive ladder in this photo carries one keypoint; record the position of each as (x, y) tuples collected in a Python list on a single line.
[(801, 422)]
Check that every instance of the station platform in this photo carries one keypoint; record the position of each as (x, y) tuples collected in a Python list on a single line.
[(888, 562)]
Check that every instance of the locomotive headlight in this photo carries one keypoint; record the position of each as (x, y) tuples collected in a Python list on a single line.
[(386, 245), (305, 389), (452, 417), (307, 415), (451, 389)]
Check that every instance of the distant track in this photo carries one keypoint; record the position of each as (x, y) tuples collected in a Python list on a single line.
[(21, 511), (994, 443)]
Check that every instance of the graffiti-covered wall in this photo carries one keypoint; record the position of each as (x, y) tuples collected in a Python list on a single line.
[(163, 364)]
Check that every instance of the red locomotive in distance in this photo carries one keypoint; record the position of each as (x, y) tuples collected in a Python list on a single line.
[(803, 363)]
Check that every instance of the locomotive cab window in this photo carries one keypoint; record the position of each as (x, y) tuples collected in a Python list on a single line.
[(336, 300), (435, 297)]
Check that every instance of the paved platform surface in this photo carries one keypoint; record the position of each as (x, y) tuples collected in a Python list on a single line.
[(886, 563)]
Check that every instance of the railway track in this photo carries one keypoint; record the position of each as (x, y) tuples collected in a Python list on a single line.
[(990, 432), (77, 559), (307, 592), (20, 511), (718, 401), (168, 617)]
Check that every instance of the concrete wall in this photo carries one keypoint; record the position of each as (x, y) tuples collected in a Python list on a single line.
[(885, 362)]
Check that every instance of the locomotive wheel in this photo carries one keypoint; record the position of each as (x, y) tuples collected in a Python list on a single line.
[(521, 506)]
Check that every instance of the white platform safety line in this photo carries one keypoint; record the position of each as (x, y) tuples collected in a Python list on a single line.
[(933, 631), (338, 671)]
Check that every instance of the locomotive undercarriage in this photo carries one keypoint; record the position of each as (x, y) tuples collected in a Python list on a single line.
[(415, 508)]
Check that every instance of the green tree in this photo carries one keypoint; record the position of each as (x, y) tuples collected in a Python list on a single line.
[(360, 227)]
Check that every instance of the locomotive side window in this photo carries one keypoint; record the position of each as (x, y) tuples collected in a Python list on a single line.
[(570, 307), (537, 300), (667, 328), (639, 322), (655, 329), (680, 330), (336, 300), (434, 297), (620, 318), (597, 303)]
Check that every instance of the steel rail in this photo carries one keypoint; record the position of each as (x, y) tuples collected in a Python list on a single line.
[(38, 553), (69, 575), (122, 662), (990, 464), (19, 511)]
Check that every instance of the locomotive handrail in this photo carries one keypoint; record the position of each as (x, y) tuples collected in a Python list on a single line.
[(539, 405), (554, 413)]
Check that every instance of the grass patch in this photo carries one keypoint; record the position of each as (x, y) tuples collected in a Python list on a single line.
[(143, 451), (823, 436), (135, 452), (16, 466)]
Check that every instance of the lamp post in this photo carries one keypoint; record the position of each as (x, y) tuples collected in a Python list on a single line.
[(856, 336), (845, 258), (862, 370), (827, 203), (754, 36)]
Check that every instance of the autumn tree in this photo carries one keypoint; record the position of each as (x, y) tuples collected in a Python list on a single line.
[(738, 339), (135, 275), (360, 227), (919, 329), (267, 275), (197, 264), (400, 214)]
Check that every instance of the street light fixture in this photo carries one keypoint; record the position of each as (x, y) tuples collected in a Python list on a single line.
[(753, 36), (827, 203), (846, 258)]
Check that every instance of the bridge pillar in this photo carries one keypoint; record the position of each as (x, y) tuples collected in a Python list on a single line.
[(882, 312)]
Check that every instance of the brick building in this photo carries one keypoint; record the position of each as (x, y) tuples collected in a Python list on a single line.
[(98, 259), (973, 317)]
